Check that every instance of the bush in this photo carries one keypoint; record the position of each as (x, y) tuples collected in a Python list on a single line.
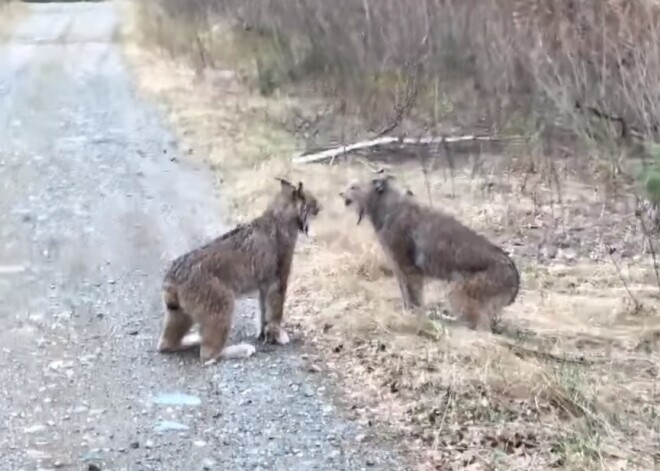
[(590, 66), (650, 176)]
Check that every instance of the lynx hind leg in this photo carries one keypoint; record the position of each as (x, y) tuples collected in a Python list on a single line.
[(471, 311), (274, 333), (215, 325), (495, 306), (411, 283), (239, 350), (486, 294), (177, 323), (191, 340), (212, 304)]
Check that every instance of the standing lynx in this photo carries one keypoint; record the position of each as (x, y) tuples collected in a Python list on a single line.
[(202, 285), (423, 242)]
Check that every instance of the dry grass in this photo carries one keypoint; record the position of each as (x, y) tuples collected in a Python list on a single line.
[(572, 381)]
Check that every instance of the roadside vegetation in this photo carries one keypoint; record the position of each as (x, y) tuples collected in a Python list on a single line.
[(569, 184), (9, 11)]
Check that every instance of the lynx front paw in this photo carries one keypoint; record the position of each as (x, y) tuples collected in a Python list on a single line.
[(246, 350), (275, 334), (282, 338)]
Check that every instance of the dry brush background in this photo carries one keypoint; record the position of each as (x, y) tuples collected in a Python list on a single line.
[(571, 382), (9, 11)]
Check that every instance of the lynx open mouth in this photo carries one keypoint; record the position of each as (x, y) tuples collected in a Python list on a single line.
[(303, 225)]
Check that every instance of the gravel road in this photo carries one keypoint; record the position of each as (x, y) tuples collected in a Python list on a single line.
[(94, 202)]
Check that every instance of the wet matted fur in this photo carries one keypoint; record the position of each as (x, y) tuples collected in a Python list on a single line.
[(201, 286), (424, 242)]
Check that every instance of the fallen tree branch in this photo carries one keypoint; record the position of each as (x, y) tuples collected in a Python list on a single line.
[(386, 140)]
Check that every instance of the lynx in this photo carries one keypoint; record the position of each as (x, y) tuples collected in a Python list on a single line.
[(202, 286), (423, 242)]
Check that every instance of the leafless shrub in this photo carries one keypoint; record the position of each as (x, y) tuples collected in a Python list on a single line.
[(589, 67)]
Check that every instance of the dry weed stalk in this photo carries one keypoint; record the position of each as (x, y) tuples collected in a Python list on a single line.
[(651, 243), (610, 250)]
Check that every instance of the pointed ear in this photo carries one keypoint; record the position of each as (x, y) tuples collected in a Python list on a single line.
[(286, 187), (300, 189)]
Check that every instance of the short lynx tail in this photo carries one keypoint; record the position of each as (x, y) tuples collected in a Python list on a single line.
[(508, 275), (516, 281), (170, 297)]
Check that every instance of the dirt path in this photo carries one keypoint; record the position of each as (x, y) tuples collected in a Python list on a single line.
[(93, 203)]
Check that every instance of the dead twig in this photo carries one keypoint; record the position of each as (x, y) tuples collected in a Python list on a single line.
[(610, 251), (424, 164)]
